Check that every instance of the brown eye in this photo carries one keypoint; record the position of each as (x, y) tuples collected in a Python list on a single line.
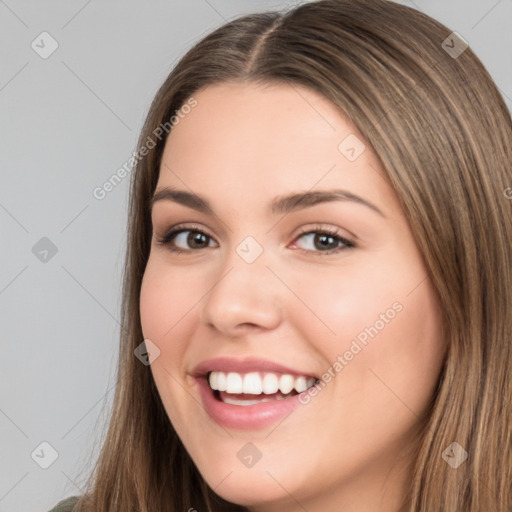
[(187, 239), (324, 241)]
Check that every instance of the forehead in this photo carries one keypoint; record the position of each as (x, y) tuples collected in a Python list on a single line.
[(260, 113), (256, 140)]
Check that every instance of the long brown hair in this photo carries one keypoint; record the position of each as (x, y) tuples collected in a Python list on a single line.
[(444, 136)]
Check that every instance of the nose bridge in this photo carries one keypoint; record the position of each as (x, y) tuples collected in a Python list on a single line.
[(245, 292), (247, 258), (249, 250)]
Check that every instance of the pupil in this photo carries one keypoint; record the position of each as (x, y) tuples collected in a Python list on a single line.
[(324, 238), (195, 237)]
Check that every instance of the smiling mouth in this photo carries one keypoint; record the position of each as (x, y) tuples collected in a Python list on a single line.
[(256, 387)]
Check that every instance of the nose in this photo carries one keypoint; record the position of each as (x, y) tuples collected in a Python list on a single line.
[(244, 297)]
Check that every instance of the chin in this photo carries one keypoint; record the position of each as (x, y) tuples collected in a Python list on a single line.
[(264, 483), (248, 490)]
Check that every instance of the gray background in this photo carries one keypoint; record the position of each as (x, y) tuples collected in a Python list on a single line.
[(67, 123)]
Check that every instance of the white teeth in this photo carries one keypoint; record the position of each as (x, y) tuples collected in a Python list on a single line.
[(311, 382), (217, 380), (256, 383), (238, 401), (221, 381), (270, 383), (233, 382), (300, 384), (252, 384), (213, 379), (286, 383)]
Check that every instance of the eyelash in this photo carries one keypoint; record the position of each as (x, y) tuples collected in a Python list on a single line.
[(168, 237)]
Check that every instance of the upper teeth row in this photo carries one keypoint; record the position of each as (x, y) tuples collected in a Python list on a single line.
[(255, 383)]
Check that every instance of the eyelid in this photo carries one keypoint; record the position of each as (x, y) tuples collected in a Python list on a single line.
[(326, 228)]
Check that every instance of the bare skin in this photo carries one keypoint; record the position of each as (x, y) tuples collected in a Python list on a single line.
[(348, 447)]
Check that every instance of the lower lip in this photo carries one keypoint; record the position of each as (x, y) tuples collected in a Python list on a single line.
[(246, 417)]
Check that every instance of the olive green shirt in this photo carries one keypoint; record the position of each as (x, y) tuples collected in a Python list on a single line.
[(65, 505)]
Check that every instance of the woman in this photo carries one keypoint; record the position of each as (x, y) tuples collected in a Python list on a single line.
[(279, 372)]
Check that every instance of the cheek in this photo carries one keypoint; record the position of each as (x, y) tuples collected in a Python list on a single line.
[(166, 307), (412, 361), (347, 303), (392, 359), (166, 300), (379, 332)]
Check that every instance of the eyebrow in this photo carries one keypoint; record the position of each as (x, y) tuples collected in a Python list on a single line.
[(280, 205)]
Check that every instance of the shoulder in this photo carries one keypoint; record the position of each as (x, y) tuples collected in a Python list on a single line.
[(65, 505)]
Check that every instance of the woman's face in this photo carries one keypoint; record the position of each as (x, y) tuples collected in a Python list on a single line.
[(325, 285)]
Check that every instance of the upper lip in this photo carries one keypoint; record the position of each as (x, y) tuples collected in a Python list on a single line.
[(245, 365)]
